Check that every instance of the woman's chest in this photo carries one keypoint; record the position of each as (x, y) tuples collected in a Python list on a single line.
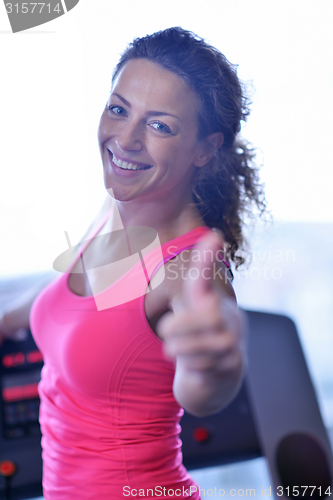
[(97, 353), (101, 269), (155, 303)]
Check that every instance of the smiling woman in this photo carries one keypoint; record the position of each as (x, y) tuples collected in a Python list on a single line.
[(148, 136), (120, 367), (228, 185)]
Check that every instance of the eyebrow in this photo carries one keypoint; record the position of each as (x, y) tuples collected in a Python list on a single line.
[(150, 113)]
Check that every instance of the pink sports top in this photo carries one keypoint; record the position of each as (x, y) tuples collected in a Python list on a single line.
[(109, 420)]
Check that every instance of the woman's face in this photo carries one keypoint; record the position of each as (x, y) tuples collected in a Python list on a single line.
[(151, 123)]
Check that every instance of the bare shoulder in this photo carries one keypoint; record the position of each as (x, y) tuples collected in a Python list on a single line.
[(169, 295)]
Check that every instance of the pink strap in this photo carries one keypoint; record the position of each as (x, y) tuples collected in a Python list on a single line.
[(171, 256)]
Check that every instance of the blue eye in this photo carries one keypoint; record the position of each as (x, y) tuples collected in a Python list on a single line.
[(161, 127), (117, 110)]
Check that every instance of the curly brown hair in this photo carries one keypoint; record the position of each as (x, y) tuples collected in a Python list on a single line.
[(226, 189)]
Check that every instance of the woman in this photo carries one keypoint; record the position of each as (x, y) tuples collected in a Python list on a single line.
[(118, 371)]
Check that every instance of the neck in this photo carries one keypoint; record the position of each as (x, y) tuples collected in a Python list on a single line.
[(170, 220)]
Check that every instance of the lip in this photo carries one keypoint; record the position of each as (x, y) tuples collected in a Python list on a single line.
[(125, 173), (121, 158)]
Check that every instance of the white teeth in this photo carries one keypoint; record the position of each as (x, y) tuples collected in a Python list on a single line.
[(125, 165)]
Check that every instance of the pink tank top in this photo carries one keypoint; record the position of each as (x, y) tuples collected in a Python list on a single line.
[(109, 420)]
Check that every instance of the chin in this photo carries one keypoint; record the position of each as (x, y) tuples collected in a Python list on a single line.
[(116, 194)]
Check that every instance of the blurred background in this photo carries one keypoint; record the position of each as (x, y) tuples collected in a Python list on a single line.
[(55, 82)]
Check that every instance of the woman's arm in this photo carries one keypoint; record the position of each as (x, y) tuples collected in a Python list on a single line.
[(204, 333), (15, 314)]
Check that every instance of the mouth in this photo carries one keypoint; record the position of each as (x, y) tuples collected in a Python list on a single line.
[(124, 165)]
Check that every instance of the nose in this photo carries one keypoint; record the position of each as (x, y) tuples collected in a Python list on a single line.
[(129, 137)]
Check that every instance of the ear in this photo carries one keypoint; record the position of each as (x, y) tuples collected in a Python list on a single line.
[(208, 148)]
